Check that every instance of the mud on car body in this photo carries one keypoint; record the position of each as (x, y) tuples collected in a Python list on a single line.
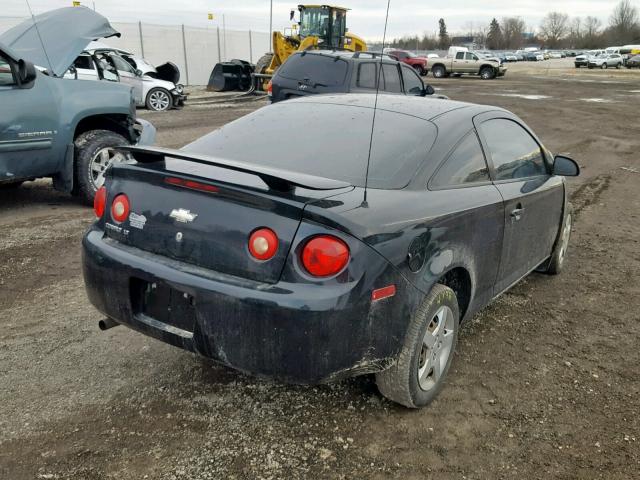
[(54, 127), (282, 265)]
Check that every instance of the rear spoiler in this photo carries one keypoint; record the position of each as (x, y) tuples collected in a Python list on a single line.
[(275, 179)]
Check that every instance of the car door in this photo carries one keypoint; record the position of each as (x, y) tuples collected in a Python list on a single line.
[(533, 198), (128, 76), (472, 63), (28, 125), (459, 63)]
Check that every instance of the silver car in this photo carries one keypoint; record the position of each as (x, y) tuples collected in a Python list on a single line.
[(154, 88), (606, 60)]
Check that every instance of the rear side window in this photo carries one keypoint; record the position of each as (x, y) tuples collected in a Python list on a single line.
[(323, 70), (514, 152), (6, 74), (460, 56), (465, 165), (391, 78)]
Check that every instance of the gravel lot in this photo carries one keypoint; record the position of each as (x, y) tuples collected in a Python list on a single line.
[(545, 383)]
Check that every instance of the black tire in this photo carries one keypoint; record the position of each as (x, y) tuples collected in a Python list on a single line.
[(487, 73), (438, 71), (261, 66), (11, 185), (87, 146), (618, 66), (604, 66), (400, 383), (562, 243), (159, 100)]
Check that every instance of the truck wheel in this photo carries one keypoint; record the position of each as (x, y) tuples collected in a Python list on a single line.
[(94, 153), (562, 244), (487, 73), (422, 365), (261, 67), (158, 100), (438, 71)]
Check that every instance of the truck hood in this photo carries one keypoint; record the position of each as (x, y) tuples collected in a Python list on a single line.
[(65, 32)]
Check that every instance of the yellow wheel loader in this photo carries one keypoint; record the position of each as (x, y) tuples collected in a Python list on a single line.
[(320, 27)]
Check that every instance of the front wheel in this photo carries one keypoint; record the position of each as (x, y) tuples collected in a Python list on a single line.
[(604, 66), (487, 73), (562, 244), (422, 365), (95, 152), (158, 100)]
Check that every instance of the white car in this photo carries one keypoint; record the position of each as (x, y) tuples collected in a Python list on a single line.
[(154, 88), (606, 60), (510, 57)]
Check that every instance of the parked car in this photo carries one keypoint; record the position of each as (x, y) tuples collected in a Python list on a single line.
[(633, 62), (328, 71), (606, 60), (510, 57), (58, 128), (300, 266), (156, 89), (534, 56), (414, 61), (556, 55), (467, 63), (582, 60)]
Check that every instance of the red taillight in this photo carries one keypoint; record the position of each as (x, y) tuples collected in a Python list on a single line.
[(181, 182), (100, 201), (269, 88), (120, 208), (325, 255), (263, 244)]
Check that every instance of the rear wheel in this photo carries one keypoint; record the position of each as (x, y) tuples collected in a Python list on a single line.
[(487, 73), (94, 153), (158, 100), (438, 71), (618, 66), (422, 365), (261, 67)]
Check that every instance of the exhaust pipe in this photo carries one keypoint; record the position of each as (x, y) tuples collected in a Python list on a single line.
[(107, 323)]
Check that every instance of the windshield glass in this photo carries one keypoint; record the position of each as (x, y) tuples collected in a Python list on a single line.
[(329, 140), (314, 22)]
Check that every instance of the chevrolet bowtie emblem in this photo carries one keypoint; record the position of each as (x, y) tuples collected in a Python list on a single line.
[(183, 216)]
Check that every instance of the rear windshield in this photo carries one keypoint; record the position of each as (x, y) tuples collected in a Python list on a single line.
[(326, 140), (328, 71)]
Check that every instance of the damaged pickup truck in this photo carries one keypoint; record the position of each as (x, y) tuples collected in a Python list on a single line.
[(156, 89), (59, 128)]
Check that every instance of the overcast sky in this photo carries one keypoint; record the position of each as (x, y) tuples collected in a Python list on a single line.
[(366, 17)]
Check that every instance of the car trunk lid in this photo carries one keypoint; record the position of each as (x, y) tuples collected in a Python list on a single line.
[(204, 213)]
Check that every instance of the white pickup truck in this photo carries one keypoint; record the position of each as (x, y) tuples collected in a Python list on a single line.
[(460, 61)]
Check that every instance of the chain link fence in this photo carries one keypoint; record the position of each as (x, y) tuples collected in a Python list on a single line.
[(194, 50)]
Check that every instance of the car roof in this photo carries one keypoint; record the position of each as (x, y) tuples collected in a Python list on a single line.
[(348, 54), (423, 108)]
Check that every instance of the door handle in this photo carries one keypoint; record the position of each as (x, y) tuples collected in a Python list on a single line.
[(517, 212)]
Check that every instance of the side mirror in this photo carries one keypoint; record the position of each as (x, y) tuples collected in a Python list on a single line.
[(565, 166), (138, 73), (26, 72), (429, 90)]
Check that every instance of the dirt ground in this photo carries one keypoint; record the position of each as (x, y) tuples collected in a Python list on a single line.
[(545, 383)]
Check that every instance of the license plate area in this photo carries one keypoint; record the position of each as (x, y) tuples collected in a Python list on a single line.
[(160, 302)]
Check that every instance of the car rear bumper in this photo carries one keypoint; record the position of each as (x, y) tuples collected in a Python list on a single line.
[(300, 333)]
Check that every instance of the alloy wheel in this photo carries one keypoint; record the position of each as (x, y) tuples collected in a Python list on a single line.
[(159, 100), (102, 160), (436, 348)]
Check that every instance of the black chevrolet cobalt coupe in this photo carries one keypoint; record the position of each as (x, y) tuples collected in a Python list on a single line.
[(259, 246)]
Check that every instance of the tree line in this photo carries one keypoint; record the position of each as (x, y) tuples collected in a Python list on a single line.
[(557, 30)]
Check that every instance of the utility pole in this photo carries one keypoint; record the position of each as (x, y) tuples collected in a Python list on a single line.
[(224, 38), (270, 26)]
